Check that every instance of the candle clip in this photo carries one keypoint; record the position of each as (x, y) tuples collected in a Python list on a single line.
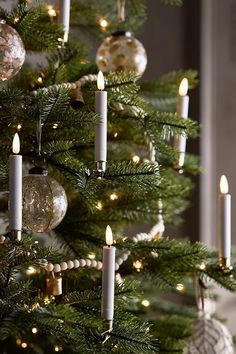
[(101, 166), (106, 335), (15, 235)]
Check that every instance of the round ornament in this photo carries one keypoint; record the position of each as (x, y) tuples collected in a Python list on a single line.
[(121, 51), (44, 201), (210, 337), (12, 52)]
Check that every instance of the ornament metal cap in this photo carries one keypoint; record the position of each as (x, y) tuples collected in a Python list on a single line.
[(37, 170)]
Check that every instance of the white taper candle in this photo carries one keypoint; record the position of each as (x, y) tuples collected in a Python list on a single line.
[(182, 111), (225, 220), (15, 186), (108, 277), (101, 127), (64, 17)]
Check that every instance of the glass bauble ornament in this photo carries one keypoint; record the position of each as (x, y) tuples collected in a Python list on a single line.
[(121, 51), (211, 337), (44, 201), (12, 52)]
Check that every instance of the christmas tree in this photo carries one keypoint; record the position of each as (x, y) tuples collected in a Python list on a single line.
[(55, 274)]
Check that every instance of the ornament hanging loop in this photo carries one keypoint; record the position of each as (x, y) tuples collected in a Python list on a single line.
[(120, 10), (39, 135)]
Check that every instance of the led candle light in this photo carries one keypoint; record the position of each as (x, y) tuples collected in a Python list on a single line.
[(108, 278), (182, 111), (64, 17), (225, 224), (101, 127), (15, 189)]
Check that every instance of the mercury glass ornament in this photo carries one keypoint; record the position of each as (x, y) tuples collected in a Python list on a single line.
[(44, 201), (12, 52), (211, 337), (121, 51)]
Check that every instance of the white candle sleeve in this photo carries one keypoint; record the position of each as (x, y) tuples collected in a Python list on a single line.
[(64, 17), (108, 282), (180, 141), (182, 106), (225, 226), (15, 190), (101, 127)]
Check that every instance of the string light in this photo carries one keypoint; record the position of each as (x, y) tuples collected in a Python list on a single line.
[(179, 287), (91, 255), (34, 330), (47, 300), (24, 345), (19, 126), (116, 135), (145, 303), (113, 196), (55, 126), (51, 11), (18, 341), (99, 206), (40, 80), (103, 23), (58, 348), (31, 270), (202, 266), (138, 265), (136, 159), (16, 19)]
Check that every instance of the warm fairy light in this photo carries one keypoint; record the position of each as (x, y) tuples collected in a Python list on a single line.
[(109, 237), (202, 266), (46, 300), (224, 187), (136, 159), (31, 270), (55, 126), (24, 345), (115, 135), (183, 87), (100, 81), (91, 255), (103, 23), (145, 303), (99, 206), (179, 287), (138, 265), (16, 144), (16, 19), (19, 126), (113, 196), (58, 348), (18, 341), (40, 80), (34, 330), (51, 11)]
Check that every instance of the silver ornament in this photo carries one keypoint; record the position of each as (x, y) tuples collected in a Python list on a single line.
[(12, 52), (44, 201), (211, 337)]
